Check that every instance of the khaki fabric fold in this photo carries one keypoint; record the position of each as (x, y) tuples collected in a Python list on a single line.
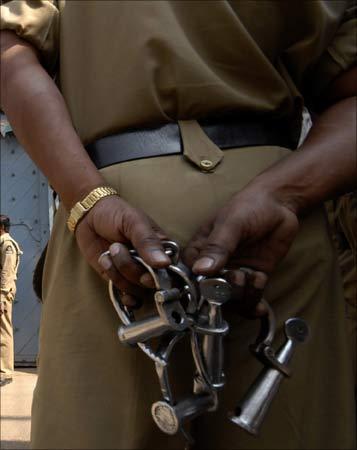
[(94, 393)]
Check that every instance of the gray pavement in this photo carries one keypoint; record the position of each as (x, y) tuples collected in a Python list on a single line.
[(15, 407)]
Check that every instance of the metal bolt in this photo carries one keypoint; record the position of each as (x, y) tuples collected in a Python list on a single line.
[(167, 295)]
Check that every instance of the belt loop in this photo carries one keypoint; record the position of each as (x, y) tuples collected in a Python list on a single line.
[(198, 147)]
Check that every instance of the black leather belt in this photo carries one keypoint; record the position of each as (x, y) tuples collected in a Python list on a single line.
[(166, 140)]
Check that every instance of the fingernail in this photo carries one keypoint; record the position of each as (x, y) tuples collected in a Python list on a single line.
[(114, 249), (105, 262), (147, 281), (160, 256), (203, 264)]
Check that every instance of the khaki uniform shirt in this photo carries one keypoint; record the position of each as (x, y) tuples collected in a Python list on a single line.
[(125, 64), (10, 259)]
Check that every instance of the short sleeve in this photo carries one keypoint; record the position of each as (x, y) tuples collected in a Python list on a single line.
[(339, 56), (36, 21)]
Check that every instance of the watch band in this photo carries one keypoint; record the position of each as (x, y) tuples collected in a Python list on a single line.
[(81, 208)]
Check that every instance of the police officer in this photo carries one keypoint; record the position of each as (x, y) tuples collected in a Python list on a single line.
[(129, 70), (10, 259)]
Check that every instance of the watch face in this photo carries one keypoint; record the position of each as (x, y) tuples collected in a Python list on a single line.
[(165, 417)]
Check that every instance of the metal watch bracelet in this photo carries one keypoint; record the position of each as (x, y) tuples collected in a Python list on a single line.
[(81, 208)]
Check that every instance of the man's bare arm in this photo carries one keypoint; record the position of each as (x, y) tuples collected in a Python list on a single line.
[(326, 164), (257, 227), (39, 117)]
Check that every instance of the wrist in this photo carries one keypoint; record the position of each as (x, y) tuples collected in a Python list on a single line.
[(82, 207), (81, 192), (70, 194), (299, 181), (286, 192)]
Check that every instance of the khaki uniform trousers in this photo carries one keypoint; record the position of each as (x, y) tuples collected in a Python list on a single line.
[(94, 393), (343, 218), (6, 339)]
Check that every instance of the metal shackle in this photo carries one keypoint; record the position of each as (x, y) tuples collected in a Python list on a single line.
[(252, 410), (171, 317), (170, 418), (216, 292)]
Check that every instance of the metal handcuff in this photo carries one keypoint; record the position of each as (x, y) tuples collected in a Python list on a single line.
[(191, 306)]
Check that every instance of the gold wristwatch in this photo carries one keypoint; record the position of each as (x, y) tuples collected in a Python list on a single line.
[(81, 208)]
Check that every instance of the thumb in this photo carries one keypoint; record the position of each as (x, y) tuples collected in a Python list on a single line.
[(147, 241), (217, 250)]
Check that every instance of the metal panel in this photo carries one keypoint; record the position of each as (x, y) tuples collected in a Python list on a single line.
[(25, 199)]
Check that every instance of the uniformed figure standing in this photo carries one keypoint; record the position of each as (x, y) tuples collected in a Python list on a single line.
[(10, 259)]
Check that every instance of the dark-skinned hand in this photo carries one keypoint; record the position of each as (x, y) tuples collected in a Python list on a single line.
[(255, 230), (112, 220)]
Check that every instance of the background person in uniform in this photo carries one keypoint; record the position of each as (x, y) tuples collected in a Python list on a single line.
[(10, 259), (135, 65)]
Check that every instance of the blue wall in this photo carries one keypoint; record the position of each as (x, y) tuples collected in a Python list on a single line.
[(25, 198)]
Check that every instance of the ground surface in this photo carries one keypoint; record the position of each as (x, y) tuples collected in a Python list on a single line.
[(15, 407)]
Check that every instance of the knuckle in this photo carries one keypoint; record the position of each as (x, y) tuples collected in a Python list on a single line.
[(127, 221), (216, 249), (150, 240)]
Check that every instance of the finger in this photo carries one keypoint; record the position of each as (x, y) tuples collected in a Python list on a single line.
[(261, 309), (247, 290), (125, 264), (254, 288), (110, 271), (220, 245), (260, 280), (130, 301), (147, 243), (160, 233), (192, 251), (147, 281), (91, 250), (191, 254), (237, 279)]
